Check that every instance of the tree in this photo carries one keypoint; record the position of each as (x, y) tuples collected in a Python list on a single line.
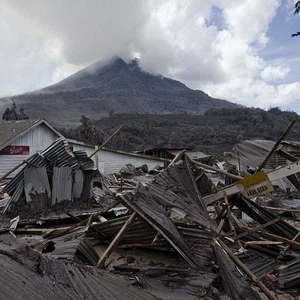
[(296, 12), (12, 113)]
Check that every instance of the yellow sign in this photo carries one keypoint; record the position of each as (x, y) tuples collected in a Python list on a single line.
[(256, 185)]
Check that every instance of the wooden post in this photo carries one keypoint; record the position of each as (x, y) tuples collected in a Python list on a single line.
[(115, 241), (276, 145), (245, 269), (100, 147)]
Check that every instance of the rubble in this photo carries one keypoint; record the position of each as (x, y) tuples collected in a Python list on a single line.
[(69, 232)]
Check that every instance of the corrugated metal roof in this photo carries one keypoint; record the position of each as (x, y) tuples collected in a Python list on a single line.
[(36, 183), (257, 264), (289, 275), (58, 154), (61, 184), (83, 160), (251, 152)]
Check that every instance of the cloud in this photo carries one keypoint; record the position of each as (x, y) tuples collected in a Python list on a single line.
[(272, 73), (214, 45)]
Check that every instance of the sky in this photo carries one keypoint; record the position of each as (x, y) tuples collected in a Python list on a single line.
[(238, 50)]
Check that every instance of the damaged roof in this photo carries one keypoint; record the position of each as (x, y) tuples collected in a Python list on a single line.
[(12, 130)]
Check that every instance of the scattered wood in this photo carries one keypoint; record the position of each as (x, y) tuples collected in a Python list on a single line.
[(252, 230), (264, 289), (279, 238), (115, 241)]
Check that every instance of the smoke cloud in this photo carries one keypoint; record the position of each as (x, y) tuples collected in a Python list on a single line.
[(213, 45)]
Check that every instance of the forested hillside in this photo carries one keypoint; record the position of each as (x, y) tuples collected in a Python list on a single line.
[(214, 132)]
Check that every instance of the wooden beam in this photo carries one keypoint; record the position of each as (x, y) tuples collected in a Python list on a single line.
[(100, 147), (245, 269), (252, 230), (115, 241)]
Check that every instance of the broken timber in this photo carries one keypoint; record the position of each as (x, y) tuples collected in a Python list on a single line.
[(116, 240), (237, 187)]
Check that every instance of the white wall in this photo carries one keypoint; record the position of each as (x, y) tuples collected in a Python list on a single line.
[(37, 139), (111, 162)]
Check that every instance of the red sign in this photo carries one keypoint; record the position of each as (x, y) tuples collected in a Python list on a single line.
[(15, 150)]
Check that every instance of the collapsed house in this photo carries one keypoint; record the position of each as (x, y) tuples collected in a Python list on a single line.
[(69, 231)]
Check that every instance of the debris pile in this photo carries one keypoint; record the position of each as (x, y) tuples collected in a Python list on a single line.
[(69, 232)]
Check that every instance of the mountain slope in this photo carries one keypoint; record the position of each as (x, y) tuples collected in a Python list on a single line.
[(117, 87)]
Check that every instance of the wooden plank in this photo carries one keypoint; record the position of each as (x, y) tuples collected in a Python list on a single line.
[(207, 167), (237, 188), (262, 243), (115, 241), (252, 230)]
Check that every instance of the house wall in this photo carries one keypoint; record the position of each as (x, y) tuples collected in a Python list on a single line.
[(111, 162), (38, 138)]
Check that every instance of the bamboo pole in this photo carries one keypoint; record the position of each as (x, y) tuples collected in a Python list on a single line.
[(100, 147), (245, 269)]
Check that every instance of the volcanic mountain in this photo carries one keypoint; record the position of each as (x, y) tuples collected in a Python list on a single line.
[(114, 87)]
